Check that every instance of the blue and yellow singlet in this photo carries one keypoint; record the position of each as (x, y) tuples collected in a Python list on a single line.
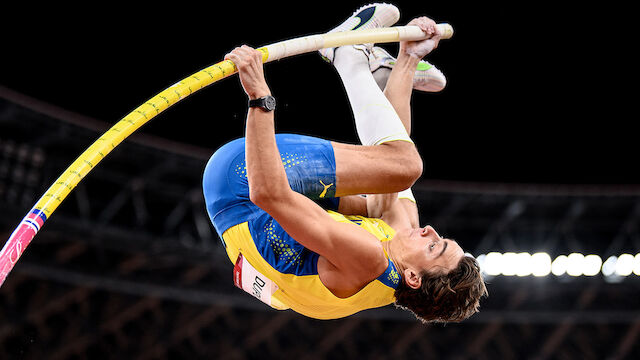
[(248, 230), (294, 270)]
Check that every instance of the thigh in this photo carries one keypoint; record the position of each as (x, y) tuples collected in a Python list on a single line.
[(389, 167)]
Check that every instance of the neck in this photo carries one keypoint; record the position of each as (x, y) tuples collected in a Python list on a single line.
[(390, 249)]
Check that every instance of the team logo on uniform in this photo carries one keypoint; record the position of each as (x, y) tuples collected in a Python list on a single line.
[(326, 187)]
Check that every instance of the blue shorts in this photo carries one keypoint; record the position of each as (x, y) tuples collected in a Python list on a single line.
[(309, 164)]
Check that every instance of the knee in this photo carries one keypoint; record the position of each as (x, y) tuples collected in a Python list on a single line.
[(414, 166), (409, 164)]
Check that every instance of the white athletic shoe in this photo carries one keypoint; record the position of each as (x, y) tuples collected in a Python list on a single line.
[(370, 16), (426, 78)]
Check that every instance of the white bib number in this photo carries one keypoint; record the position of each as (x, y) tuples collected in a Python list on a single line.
[(247, 278)]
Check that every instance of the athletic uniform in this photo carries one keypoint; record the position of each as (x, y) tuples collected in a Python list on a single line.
[(270, 264)]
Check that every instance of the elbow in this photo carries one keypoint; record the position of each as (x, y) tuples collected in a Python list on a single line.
[(265, 196), (266, 191), (259, 195)]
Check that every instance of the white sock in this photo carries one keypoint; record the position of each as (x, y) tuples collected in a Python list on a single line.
[(376, 120)]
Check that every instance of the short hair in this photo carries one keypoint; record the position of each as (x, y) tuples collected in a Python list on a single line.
[(450, 297)]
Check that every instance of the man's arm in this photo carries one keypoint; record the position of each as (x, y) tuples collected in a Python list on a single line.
[(399, 86), (349, 248)]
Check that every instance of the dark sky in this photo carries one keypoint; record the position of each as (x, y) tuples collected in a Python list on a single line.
[(537, 91)]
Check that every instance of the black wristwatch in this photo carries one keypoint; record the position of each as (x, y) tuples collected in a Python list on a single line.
[(268, 103)]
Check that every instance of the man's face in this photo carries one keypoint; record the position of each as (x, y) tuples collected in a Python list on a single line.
[(424, 249)]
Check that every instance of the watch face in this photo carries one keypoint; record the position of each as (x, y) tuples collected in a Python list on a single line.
[(270, 103)]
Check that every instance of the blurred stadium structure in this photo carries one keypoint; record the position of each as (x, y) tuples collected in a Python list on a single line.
[(130, 267)]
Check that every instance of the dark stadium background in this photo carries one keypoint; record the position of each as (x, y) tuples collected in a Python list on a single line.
[(536, 124)]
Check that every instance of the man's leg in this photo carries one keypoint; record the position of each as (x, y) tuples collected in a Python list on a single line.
[(384, 164), (380, 169), (388, 160)]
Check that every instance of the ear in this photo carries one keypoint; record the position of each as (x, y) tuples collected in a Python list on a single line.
[(412, 278)]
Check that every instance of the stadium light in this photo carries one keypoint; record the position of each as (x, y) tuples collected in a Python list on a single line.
[(592, 265), (559, 265), (509, 264), (624, 265), (540, 264), (609, 266), (575, 263), (493, 263), (524, 267), (636, 264)]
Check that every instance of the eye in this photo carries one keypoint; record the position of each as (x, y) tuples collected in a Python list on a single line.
[(432, 246)]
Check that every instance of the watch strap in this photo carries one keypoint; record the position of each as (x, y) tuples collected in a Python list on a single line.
[(265, 102)]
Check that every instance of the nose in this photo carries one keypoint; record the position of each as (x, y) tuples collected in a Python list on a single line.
[(429, 229)]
